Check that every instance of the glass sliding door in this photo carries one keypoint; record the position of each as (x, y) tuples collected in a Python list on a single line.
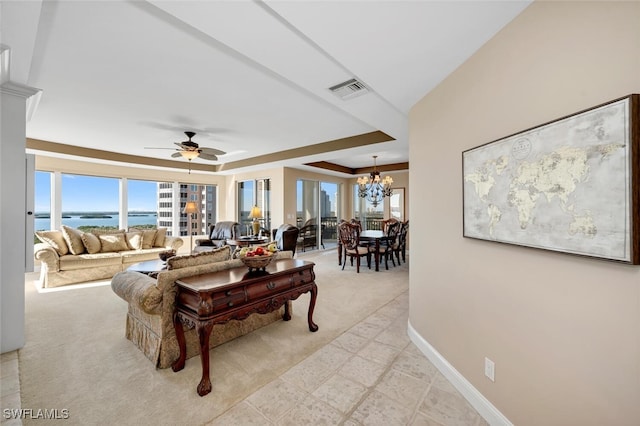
[(307, 214), (263, 200), (317, 216), (245, 202), (329, 209)]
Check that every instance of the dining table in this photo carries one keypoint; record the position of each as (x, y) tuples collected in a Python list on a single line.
[(371, 236)]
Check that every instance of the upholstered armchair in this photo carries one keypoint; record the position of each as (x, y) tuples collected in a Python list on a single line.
[(286, 237), (219, 234)]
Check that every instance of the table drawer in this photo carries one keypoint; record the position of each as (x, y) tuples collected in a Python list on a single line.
[(278, 284), (272, 286), (228, 299), (304, 276)]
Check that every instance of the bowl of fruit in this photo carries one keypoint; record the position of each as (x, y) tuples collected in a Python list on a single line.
[(258, 258)]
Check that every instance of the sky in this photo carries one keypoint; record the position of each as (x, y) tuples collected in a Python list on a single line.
[(100, 194), (94, 194)]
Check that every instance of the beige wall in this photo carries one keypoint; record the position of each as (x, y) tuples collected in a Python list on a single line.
[(563, 331)]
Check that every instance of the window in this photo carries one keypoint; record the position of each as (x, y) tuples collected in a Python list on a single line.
[(142, 202), (254, 193), (370, 216), (94, 201), (206, 216), (90, 202), (42, 202)]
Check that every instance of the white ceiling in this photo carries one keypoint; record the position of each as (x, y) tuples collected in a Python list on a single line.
[(249, 77)]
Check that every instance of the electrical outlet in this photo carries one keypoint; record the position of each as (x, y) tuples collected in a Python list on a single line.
[(489, 369)]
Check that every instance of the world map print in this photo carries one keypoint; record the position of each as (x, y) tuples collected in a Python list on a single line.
[(564, 186)]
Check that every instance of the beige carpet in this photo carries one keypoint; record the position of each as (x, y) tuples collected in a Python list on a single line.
[(77, 358)]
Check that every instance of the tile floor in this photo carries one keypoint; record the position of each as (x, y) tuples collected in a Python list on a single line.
[(370, 375), (10, 386)]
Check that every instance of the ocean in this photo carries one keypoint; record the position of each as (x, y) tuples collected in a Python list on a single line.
[(74, 220)]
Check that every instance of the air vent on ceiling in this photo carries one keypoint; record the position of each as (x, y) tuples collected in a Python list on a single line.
[(349, 89)]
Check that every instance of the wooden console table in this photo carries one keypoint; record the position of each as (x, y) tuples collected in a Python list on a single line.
[(234, 294)]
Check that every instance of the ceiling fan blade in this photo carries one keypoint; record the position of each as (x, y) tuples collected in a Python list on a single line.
[(208, 156), (176, 154), (212, 151)]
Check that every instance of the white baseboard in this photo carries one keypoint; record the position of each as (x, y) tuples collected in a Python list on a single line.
[(471, 394)]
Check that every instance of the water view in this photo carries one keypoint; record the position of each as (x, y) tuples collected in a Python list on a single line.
[(95, 219)]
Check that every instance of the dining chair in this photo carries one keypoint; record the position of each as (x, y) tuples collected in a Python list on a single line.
[(349, 235), (387, 222), (388, 244), (402, 241)]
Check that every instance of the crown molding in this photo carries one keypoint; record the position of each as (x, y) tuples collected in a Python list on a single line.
[(325, 165), (8, 87), (319, 148)]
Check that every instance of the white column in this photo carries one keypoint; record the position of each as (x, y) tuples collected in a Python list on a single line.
[(56, 200), (124, 204), (17, 103), (176, 209)]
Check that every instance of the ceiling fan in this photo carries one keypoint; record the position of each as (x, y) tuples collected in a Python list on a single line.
[(190, 150)]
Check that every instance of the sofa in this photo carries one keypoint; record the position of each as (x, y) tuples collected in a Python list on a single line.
[(218, 235), (70, 256), (151, 302)]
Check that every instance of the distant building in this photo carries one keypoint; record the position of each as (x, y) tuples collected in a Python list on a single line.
[(172, 199)]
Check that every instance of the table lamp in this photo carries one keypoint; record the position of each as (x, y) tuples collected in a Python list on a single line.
[(255, 214)]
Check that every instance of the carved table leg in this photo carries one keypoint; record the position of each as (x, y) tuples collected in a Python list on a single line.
[(312, 304), (287, 313), (179, 363), (204, 331)]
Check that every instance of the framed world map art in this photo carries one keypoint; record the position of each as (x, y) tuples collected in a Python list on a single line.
[(571, 185)]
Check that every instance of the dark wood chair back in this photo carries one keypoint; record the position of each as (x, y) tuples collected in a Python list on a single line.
[(392, 229), (388, 222), (349, 235)]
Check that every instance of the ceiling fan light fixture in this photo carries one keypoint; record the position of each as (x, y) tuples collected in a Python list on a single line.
[(190, 155)]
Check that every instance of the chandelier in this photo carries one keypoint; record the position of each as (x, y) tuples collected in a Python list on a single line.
[(373, 187)]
